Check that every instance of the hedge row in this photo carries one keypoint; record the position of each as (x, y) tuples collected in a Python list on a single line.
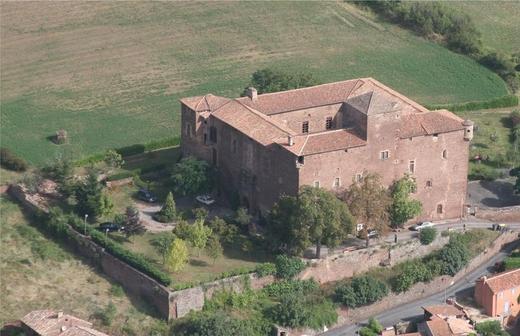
[(132, 150), (120, 176), (11, 161), (505, 101), (56, 224)]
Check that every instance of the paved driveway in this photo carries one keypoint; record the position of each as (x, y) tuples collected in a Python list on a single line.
[(492, 194)]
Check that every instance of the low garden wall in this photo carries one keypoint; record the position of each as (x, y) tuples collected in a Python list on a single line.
[(168, 303), (347, 264)]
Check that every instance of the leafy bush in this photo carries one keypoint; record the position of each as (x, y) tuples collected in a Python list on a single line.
[(107, 315), (11, 161), (412, 272), (373, 328), (511, 263), (288, 267), (265, 269), (454, 256), (490, 328), (191, 176), (226, 232), (427, 235), (117, 291), (482, 172), (221, 324), (289, 287), (360, 291), (272, 80)]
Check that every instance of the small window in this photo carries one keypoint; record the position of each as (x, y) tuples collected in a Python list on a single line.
[(445, 154), (328, 123), (188, 130), (301, 159), (359, 177), (435, 137), (411, 166), (316, 184), (439, 208), (305, 127), (234, 145), (384, 155), (429, 183), (337, 182)]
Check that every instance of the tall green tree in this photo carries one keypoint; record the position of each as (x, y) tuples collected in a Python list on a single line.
[(191, 176), (162, 245), (214, 248), (368, 201), (403, 207), (91, 198), (199, 235), (274, 80), (132, 222), (168, 212), (177, 256), (316, 217)]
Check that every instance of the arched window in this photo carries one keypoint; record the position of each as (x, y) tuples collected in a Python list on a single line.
[(445, 154), (439, 208)]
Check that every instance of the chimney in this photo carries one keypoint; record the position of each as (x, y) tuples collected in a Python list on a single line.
[(290, 140), (59, 314), (252, 93)]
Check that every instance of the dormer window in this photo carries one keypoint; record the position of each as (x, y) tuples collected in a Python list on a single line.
[(328, 123), (305, 127)]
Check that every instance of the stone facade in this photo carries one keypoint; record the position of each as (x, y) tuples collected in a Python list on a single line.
[(329, 135)]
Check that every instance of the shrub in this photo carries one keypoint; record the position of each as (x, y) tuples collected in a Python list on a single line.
[(191, 176), (288, 267), (113, 159), (59, 169), (490, 328), (107, 315), (242, 217), (512, 263), (412, 272), (454, 256), (265, 269), (117, 291), (226, 232), (168, 212), (427, 235), (360, 291), (290, 287), (515, 118), (220, 324), (482, 172), (10, 161), (271, 80)]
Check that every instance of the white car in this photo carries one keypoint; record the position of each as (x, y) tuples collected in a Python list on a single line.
[(205, 199), (423, 225)]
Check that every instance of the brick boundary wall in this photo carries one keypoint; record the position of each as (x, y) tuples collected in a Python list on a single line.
[(505, 214), (168, 303), (347, 264)]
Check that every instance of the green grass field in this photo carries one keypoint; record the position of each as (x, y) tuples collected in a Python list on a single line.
[(111, 73), (498, 21)]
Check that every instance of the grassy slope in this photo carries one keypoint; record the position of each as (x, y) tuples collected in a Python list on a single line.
[(111, 74), (497, 20), (37, 273)]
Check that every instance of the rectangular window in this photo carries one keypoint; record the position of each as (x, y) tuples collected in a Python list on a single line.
[(188, 130), (337, 182), (301, 159), (305, 127), (328, 123), (439, 208), (411, 166), (384, 155), (429, 183), (359, 177), (316, 184)]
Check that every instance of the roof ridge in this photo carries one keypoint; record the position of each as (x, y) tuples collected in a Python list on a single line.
[(397, 94), (303, 146), (503, 273), (265, 117), (306, 88)]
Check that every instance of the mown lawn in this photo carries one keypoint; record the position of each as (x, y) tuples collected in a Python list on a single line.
[(37, 273), (498, 21), (111, 73)]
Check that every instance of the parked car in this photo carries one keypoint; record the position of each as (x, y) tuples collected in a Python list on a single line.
[(499, 227), (422, 225), (110, 227), (373, 234), (146, 195), (205, 199)]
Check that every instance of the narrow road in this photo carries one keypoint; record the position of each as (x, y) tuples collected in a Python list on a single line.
[(412, 310)]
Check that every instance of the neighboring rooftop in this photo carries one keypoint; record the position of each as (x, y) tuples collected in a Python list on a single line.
[(326, 141), (443, 310), (51, 323), (503, 281)]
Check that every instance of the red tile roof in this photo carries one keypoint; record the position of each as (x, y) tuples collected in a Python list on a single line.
[(207, 103), (503, 281), (443, 310), (51, 323), (327, 141), (429, 123)]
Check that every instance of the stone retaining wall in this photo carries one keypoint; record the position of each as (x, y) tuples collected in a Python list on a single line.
[(347, 264)]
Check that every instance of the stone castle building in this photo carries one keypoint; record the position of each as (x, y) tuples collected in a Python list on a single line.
[(266, 145)]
